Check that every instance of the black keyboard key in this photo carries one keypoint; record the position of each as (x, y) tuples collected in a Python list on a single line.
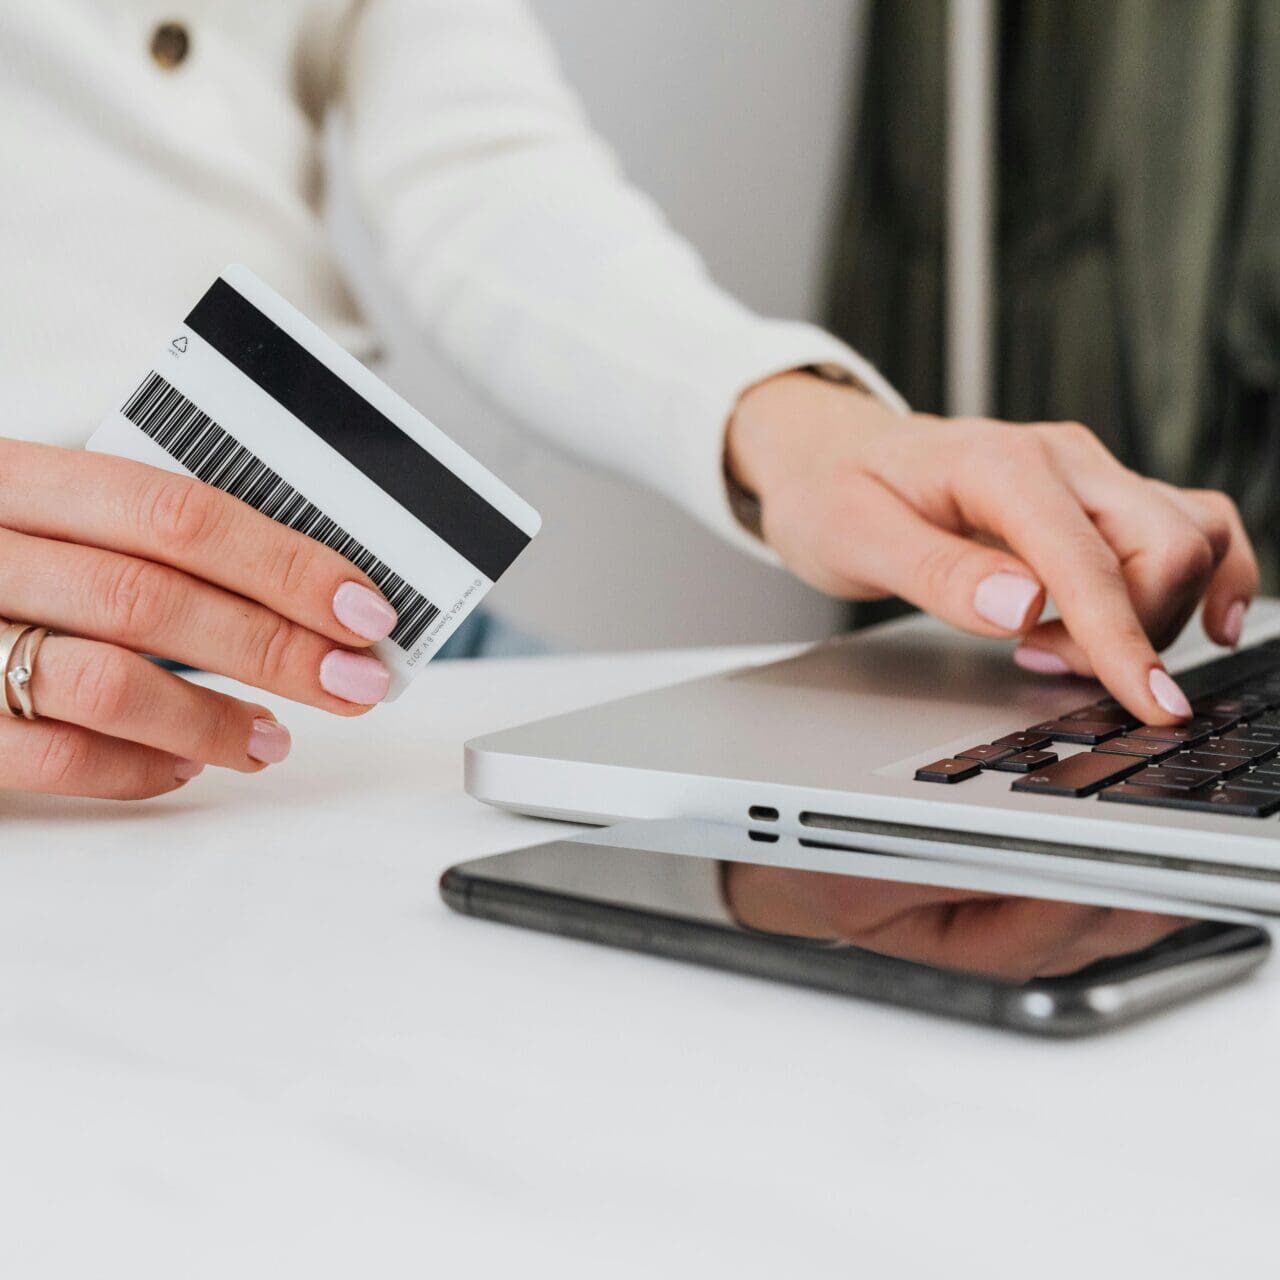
[(1230, 675), (1252, 780), (948, 771), (1233, 704), (1246, 748), (1220, 724), (1174, 776), (1191, 732), (1103, 715), (1245, 734), (1146, 748), (987, 755), (1079, 775), (1223, 766), (1023, 741), (1026, 761), (1216, 708), (1259, 704), (1134, 793), (1261, 732), (1261, 712), (1224, 799), (1228, 798), (1086, 731)]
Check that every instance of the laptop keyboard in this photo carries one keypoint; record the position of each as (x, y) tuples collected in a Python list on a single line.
[(1226, 760)]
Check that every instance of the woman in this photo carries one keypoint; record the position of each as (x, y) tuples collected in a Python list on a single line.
[(144, 156)]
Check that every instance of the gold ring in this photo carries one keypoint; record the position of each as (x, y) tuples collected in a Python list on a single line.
[(19, 644)]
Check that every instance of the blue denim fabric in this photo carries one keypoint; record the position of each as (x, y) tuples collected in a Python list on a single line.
[(484, 636)]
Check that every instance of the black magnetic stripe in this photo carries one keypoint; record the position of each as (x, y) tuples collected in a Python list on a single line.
[(344, 419)]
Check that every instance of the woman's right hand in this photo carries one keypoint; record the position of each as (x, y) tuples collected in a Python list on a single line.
[(977, 521), (118, 560)]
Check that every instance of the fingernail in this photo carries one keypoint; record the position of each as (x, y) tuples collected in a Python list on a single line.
[(269, 741), (363, 611), (1041, 661), (185, 770), (1233, 623), (354, 677), (1004, 598), (1167, 694)]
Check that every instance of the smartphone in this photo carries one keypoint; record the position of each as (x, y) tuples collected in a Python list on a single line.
[(1006, 959)]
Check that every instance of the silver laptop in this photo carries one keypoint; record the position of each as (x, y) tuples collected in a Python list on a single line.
[(912, 739)]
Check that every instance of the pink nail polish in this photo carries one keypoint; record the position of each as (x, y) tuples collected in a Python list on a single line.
[(354, 677), (1233, 623), (363, 611), (1168, 695), (1004, 598), (185, 770), (269, 741), (1041, 661)]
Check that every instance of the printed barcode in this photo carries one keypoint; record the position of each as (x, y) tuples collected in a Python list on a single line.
[(188, 434)]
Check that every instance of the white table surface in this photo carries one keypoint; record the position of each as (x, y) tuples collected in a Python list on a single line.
[(241, 1036)]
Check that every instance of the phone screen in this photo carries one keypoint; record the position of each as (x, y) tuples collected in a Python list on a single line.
[(923, 944)]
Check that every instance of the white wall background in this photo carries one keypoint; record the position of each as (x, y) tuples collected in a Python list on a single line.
[(732, 114)]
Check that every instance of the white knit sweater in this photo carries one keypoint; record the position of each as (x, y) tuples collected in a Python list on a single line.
[(547, 278)]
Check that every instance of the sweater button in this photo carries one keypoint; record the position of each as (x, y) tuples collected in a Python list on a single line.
[(170, 45)]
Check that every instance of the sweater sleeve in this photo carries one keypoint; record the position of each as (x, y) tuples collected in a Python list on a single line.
[(546, 278)]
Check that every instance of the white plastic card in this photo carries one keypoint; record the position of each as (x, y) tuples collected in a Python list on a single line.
[(250, 396)]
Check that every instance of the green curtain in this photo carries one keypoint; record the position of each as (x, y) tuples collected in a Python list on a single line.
[(1138, 237)]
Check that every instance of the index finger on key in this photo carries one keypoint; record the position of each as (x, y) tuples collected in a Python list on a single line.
[(1020, 497), (126, 506)]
